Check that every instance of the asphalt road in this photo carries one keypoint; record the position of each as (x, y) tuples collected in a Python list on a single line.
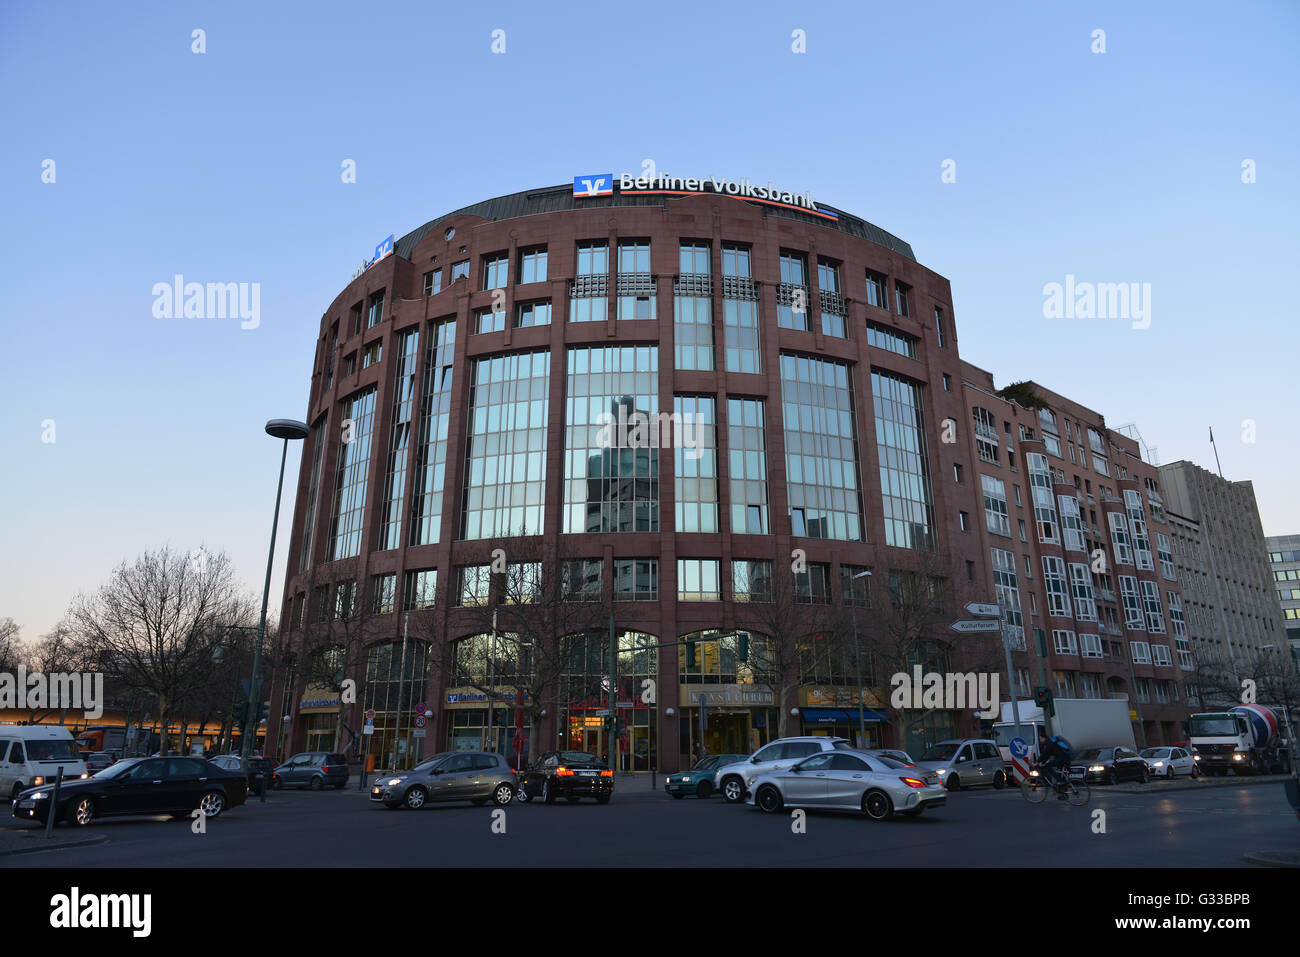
[(645, 828)]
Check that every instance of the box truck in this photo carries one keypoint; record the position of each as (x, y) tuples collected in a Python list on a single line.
[(1084, 722)]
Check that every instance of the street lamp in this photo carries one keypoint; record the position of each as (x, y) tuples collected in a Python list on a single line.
[(285, 429), (857, 648)]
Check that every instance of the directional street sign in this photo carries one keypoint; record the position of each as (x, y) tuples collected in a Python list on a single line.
[(968, 625), (983, 608)]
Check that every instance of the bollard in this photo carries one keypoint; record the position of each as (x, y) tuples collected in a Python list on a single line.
[(54, 803)]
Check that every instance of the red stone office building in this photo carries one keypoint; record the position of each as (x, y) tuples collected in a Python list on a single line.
[(456, 394), (1080, 553)]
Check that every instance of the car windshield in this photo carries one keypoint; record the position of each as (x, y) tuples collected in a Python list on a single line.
[(52, 750), (1213, 726), (119, 769), (428, 763), (1155, 753), (940, 752), (1093, 754), (703, 764)]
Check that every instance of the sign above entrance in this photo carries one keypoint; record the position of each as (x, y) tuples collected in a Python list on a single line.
[(729, 696), (591, 185)]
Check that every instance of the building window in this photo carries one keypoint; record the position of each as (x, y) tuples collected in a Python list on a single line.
[(421, 588), (376, 313), (473, 585), (906, 496), (489, 320), (636, 295), (580, 579), (636, 579), (698, 579), (693, 312), (372, 354), (589, 292), (435, 420), (891, 340), (751, 580), (496, 267), (383, 591), (1020, 522), (1141, 654), (956, 473), (1163, 660), (433, 282), (505, 470), (995, 506), (528, 314), (1058, 600), (350, 365), (1137, 521), (1008, 594), (356, 320), (523, 583), (902, 297), (1165, 551), (812, 586), (834, 310), (1064, 643), (1128, 591), (1040, 479), (320, 603), (986, 435), (747, 446), (876, 295), (460, 270), (318, 438), (740, 325), (695, 464), (1151, 605), (792, 294), (855, 585), (1071, 523), (821, 449), (352, 477), (1090, 647), (345, 597), (1085, 602), (611, 484), (1119, 538), (947, 382), (964, 517), (399, 443), (532, 264), (938, 327), (735, 261)]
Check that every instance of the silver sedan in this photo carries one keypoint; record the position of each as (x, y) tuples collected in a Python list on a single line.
[(876, 785), (474, 776)]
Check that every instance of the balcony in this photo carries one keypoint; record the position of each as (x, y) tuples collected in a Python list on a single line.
[(739, 287), (692, 284)]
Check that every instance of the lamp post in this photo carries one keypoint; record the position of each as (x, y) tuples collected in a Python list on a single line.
[(285, 429), (857, 648)]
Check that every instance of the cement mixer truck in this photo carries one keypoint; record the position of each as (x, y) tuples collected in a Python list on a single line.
[(1243, 739)]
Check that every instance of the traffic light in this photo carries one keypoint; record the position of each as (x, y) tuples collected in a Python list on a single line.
[(240, 714), (1043, 698), (261, 712), (742, 650)]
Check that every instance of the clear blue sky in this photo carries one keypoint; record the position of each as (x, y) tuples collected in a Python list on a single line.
[(225, 167)]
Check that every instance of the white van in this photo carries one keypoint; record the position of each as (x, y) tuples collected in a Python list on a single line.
[(31, 755)]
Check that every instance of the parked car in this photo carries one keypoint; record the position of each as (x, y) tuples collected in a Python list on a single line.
[(260, 770), (474, 776), (176, 786), (31, 754), (1169, 762), (571, 775), (873, 784), (312, 769), (698, 780), (964, 763), (1109, 766), (735, 781), (902, 756), (98, 761)]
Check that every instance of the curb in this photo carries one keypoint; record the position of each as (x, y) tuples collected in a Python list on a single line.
[(56, 845), (1189, 785)]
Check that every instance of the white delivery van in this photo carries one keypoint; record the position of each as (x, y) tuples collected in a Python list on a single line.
[(31, 755)]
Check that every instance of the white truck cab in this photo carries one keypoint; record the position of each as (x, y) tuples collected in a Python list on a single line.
[(31, 755)]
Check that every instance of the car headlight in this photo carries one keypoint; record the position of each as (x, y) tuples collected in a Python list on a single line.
[(668, 780), (86, 775), (38, 780), (393, 782), (1196, 757), (38, 796), (1097, 768), (1237, 757), (1033, 774), (1158, 764)]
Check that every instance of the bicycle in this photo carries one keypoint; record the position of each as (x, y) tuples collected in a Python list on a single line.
[(1036, 787)]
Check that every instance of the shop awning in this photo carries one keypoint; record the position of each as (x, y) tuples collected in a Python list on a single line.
[(838, 716)]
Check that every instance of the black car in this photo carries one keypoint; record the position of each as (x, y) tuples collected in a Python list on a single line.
[(1109, 765), (176, 786), (571, 775), (260, 770)]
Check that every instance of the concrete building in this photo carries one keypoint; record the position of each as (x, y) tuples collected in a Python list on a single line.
[(1080, 553), (1222, 556), (1284, 561)]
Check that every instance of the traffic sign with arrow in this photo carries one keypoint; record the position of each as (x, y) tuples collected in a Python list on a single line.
[(969, 625), (983, 608)]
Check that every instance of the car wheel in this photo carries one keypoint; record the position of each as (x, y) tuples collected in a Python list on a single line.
[(1170, 773), (212, 803), (548, 796), (522, 794), (81, 812), (768, 798), (733, 790), (877, 805), (503, 795), (704, 789), (953, 783), (1144, 775), (415, 798), (1112, 777), (18, 789), (316, 784), (999, 782)]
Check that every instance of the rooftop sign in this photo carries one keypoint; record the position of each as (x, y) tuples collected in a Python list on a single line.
[(603, 184)]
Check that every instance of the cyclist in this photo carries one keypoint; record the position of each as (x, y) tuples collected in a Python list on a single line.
[(1054, 759)]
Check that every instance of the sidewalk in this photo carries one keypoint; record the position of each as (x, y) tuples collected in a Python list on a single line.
[(25, 837), (1161, 786)]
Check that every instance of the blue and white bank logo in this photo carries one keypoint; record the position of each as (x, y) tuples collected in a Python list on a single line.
[(593, 184), (384, 249)]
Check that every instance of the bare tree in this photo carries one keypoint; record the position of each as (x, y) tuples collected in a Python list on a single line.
[(55, 652), (157, 622), (519, 625), (10, 644)]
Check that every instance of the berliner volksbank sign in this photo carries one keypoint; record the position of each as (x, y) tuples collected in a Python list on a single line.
[(604, 184)]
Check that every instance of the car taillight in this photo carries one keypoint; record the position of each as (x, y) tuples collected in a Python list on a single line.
[(563, 772), (913, 782), (325, 768), (606, 774)]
